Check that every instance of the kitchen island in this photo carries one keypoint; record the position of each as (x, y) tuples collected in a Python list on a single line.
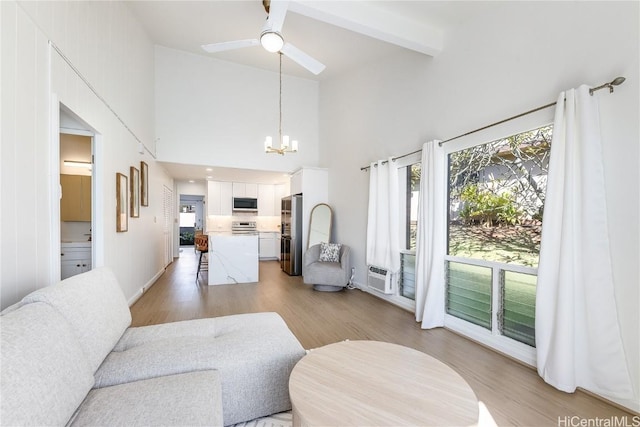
[(233, 258)]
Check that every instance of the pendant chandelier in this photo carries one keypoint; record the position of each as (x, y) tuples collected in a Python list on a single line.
[(285, 145)]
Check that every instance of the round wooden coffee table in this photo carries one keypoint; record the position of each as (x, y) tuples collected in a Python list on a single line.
[(367, 383)]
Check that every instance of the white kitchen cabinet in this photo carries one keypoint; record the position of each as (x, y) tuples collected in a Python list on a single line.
[(219, 198), (239, 189), (279, 191), (251, 190), (75, 258), (245, 189), (213, 198), (269, 244), (266, 200), (226, 198), (296, 182)]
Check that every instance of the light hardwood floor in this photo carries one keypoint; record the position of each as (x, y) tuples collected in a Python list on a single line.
[(513, 393)]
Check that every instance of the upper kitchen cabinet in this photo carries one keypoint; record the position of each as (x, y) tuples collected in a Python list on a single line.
[(280, 191), (75, 204), (266, 205), (242, 189), (220, 198)]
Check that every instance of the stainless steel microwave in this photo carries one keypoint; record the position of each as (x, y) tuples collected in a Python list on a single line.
[(246, 204)]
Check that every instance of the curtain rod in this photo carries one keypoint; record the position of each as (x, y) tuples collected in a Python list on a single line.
[(615, 82)]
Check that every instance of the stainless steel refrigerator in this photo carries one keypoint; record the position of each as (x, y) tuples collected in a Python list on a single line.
[(291, 227)]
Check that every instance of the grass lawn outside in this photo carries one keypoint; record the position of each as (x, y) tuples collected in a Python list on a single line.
[(470, 286), (514, 244)]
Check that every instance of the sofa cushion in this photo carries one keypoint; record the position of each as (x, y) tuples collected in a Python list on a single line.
[(94, 306), (45, 374), (190, 399), (254, 354)]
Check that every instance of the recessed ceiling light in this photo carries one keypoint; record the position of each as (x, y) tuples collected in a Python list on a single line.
[(209, 169), (209, 177), (191, 181)]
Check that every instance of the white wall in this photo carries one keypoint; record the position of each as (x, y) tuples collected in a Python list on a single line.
[(217, 113), (106, 46), (517, 56)]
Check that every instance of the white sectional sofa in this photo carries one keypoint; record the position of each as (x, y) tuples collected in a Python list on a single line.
[(69, 357)]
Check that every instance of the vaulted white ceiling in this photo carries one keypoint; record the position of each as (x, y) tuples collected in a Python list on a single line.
[(341, 34)]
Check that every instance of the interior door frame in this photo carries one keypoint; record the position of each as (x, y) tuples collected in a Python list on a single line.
[(97, 187)]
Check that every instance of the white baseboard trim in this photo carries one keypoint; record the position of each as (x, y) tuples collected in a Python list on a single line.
[(145, 288), (401, 302)]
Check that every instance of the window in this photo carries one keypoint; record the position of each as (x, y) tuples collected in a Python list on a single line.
[(413, 194), (496, 198), (187, 219), (407, 280)]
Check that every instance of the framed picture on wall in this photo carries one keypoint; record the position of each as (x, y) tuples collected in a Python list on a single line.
[(122, 198), (144, 184), (134, 203)]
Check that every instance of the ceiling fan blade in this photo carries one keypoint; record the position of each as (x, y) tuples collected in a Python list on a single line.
[(277, 13), (311, 64), (238, 44)]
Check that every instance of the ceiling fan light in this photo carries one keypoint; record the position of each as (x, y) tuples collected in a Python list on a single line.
[(271, 41)]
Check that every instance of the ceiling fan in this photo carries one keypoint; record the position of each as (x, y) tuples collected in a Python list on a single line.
[(271, 38)]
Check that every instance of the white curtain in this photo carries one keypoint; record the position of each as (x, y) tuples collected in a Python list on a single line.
[(431, 238), (578, 339), (383, 227)]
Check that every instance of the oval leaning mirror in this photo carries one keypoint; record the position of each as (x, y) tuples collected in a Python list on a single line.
[(320, 224)]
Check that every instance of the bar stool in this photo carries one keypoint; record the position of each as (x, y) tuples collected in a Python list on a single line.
[(202, 246)]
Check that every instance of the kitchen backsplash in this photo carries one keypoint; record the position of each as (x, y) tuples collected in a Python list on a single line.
[(223, 222)]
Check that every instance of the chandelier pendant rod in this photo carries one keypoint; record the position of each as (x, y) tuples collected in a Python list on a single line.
[(285, 145), (280, 105)]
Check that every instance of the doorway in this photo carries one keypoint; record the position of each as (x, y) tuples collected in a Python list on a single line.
[(191, 214), (78, 212), (75, 203)]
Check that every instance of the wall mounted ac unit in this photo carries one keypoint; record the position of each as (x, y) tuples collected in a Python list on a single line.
[(376, 280)]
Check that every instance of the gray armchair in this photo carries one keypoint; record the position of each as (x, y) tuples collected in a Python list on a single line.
[(326, 276)]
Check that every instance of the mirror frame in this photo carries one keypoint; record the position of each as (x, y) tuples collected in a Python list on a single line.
[(311, 223)]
